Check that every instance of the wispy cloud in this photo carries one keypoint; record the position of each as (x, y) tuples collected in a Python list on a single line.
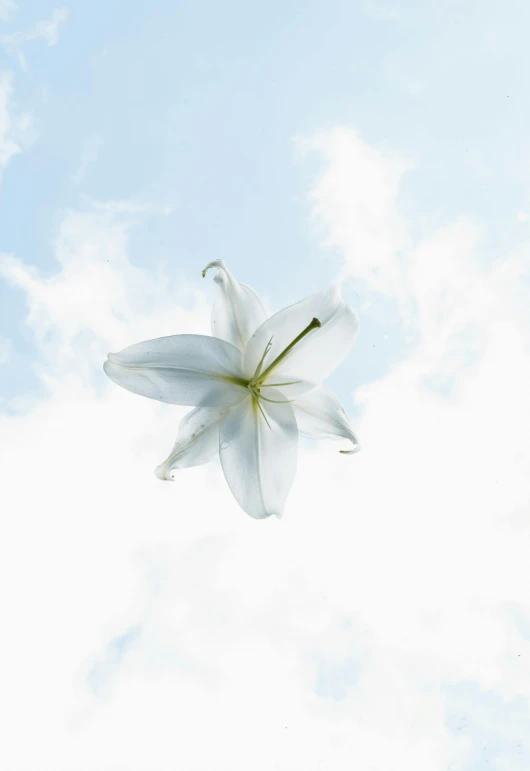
[(355, 200), (16, 130), (47, 30), (7, 9), (91, 247), (8, 145), (103, 669)]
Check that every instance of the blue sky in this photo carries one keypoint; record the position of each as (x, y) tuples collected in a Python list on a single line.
[(196, 108), (382, 623)]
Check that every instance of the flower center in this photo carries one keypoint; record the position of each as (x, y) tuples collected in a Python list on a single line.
[(258, 379)]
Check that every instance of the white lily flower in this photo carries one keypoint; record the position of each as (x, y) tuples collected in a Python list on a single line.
[(255, 385)]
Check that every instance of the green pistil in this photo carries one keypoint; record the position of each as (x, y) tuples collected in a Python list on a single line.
[(259, 378)]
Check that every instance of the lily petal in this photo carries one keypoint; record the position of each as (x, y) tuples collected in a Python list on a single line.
[(317, 354), (181, 369), (259, 460), (197, 443), (238, 310), (320, 415)]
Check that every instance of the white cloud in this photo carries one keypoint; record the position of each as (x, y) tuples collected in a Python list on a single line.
[(163, 628), (9, 145), (7, 8), (355, 201), (17, 131), (46, 29), (98, 295), (444, 434)]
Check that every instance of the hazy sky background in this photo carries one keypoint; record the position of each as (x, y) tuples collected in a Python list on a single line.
[(384, 623)]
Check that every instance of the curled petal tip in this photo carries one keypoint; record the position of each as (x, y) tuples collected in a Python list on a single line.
[(355, 442), (267, 515), (161, 473), (107, 367), (213, 264), (356, 447)]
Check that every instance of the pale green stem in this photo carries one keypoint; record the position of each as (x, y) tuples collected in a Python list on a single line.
[(315, 323)]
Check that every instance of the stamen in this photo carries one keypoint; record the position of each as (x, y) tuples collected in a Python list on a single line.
[(274, 385), (315, 323), (265, 352), (276, 401), (256, 398)]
